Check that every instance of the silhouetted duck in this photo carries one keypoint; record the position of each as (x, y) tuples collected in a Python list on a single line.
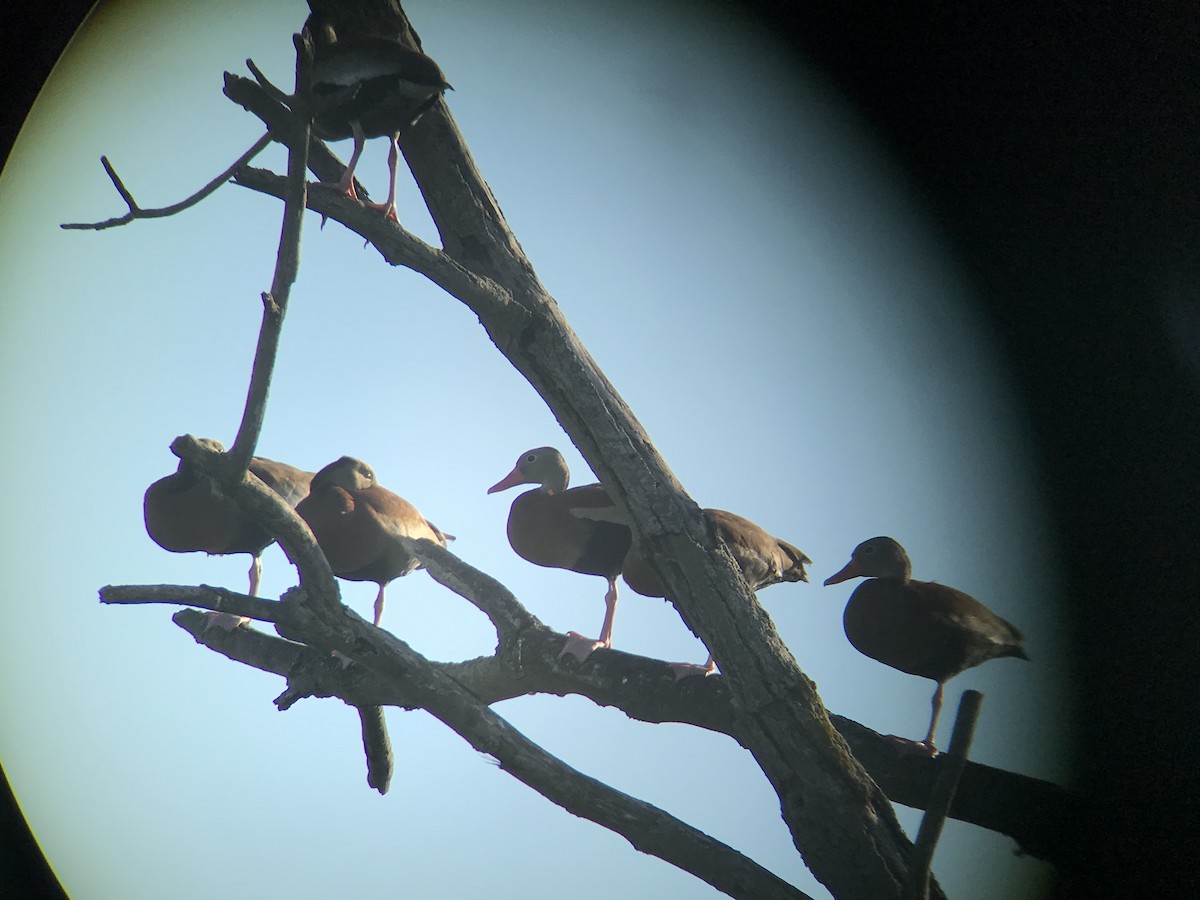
[(919, 627), (370, 86)]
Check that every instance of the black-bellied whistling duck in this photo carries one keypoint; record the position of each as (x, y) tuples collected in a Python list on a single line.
[(919, 627), (369, 86), (545, 527), (763, 559), (357, 524), (185, 514)]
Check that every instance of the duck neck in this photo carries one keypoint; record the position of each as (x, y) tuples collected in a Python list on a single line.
[(188, 475), (557, 479), (554, 485), (902, 572)]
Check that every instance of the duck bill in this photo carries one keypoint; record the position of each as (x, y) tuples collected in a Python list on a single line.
[(512, 479), (850, 570)]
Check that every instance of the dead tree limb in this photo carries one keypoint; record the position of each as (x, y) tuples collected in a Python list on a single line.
[(840, 821), (287, 266), (417, 683), (137, 212), (1040, 817)]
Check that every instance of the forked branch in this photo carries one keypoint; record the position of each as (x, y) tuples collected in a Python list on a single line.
[(839, 819), (137, 212), (418, 683)]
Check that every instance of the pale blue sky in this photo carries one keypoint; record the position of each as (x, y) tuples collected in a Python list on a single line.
[(743, 263)]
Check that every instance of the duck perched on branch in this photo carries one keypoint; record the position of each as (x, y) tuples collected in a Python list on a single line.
[(919, 627), (583, 530), (549, 526), (185, 513), (358, 524), (366, 86)]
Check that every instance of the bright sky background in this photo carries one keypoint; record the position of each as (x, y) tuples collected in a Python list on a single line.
[(746, 267)]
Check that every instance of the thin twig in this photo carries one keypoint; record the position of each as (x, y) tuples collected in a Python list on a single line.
[(119, 184), (136, 212), (267, 85), (287, 266)]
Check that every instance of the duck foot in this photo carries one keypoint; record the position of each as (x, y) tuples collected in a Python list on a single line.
[(224, 621), (909, 747), (388, 210), (690, 670), (579, 646)]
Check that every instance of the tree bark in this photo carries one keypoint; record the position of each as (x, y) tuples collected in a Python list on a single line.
[(839, 818), (1042, 818), (840, 821)]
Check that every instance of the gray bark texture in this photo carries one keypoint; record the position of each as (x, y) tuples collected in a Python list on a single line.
[(840, 818)]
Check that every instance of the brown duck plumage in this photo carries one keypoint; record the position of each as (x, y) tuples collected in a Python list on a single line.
[(551, 526), (369, 85), (184, 513), (358, 523), (919, 627)]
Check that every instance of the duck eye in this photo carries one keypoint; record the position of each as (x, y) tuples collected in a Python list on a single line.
[(531, 457)]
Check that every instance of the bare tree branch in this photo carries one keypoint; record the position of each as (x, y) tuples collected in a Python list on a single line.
[(420, 684), (487, 594), (377, 748), (839, 818), (398, 246), (136, 212), (204, 596), (1041, 817), (287, 265), (840, 821)]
